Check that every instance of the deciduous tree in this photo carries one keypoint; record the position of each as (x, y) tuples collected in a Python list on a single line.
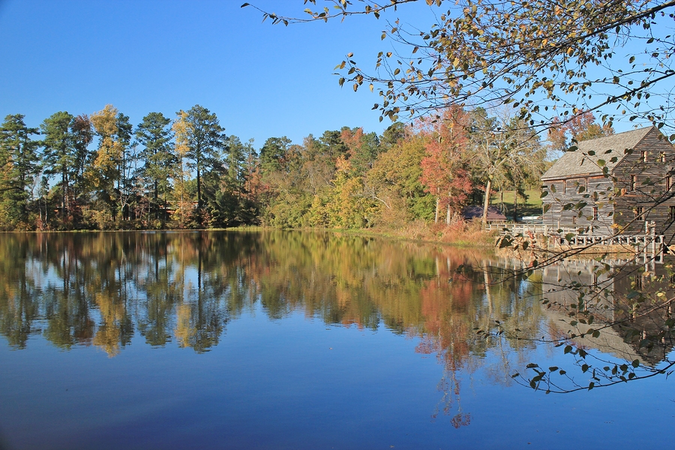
[(183, 206), (546, 58), (564, 134), (444, 169), (104, 171)]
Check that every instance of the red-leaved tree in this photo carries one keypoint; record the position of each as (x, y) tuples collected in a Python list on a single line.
[(444, 169)]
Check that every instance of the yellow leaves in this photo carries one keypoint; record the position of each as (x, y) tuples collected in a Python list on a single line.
[(110, 149), (181, 129), (109, 153), (109, 334), (185, 331), (105, 121)]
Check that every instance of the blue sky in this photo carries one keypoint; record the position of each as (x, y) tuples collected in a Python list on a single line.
[(144, 56), (150, 55)]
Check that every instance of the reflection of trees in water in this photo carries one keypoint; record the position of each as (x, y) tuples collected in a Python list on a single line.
[(473, 313), (465, 295), (103, 288), (19, 307)]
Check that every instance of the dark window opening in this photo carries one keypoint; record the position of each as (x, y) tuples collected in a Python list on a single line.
[(638, 212), (638, 282)]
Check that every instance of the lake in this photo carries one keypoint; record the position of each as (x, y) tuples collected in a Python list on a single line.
[(299, 340)]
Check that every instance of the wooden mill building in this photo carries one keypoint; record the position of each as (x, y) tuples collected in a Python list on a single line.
[(614, 184)]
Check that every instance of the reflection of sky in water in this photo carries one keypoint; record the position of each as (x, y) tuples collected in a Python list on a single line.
[(295, 380), (297, 383)]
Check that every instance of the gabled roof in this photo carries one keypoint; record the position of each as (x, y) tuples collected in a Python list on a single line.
[(610, 149)]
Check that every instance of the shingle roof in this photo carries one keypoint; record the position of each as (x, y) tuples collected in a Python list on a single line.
[(610, 149)]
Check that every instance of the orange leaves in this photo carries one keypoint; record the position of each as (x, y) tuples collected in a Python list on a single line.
[(444, 169)]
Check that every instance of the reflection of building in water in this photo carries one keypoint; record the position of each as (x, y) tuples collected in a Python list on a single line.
[(628, 301), (582, 283)]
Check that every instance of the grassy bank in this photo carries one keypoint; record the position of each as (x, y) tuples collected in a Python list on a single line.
[(459, 234), (526, 207)]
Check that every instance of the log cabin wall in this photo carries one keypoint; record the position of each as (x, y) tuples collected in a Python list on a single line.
[(582, 202), (645, 188), (602, 190)]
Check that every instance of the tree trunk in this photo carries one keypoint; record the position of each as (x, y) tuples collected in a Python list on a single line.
[(486, 284), (515, 205), (486, 202), (156, 202), (438, 201), (64, 202), (199, 190)]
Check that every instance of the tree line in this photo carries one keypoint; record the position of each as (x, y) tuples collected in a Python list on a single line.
[(99, 171)]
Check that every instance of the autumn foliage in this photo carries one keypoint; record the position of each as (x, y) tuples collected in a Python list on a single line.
[(101, 172), (445, 171)]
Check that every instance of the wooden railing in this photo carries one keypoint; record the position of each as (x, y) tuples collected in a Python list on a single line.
[(525, 228), (637, 240), (579, 237)]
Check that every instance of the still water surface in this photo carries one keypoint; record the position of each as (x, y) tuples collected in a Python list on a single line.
[(277, 340)]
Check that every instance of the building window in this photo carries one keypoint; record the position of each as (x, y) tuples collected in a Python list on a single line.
[(595, 213), (638, 282), (581, 185), (672, 213), (633, 182), (643, 155), (662, 157), (638, 212)]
